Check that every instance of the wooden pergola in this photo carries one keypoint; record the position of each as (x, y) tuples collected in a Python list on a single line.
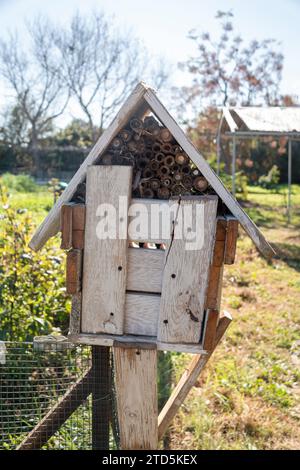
[(257, 122)]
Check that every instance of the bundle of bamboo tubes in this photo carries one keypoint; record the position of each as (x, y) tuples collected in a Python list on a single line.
[(161, 169)]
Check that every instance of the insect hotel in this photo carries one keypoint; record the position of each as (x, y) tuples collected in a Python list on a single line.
[(147, 227)]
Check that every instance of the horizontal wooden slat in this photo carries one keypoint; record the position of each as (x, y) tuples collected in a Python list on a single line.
[(144, 269), (141, 314), (102, 339)]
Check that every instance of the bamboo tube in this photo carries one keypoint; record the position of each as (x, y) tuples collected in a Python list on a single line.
[(200, 183), (116, 143), (169, 160), (136, 125), (125, 135), (159, 157), (177, 176), (187, 182), (163, 171), (181, 158), (156, 147), (154, 165), (163, 193), (155, 184), (165, 135), (185, 170), (167, 148), (166, 182), (148, 173), (132, 146), (177, 190), (148, 193)]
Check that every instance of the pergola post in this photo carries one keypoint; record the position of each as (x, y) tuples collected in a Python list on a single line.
[(289, 180), (233, 164), (218, 152)]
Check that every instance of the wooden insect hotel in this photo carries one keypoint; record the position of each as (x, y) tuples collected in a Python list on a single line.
[(153, 282)]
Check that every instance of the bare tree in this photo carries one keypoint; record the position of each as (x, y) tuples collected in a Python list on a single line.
[(34, 80), (226, 71), (101, 65)]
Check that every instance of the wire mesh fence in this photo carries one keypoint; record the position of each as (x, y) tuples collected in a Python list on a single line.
[(56, 398)]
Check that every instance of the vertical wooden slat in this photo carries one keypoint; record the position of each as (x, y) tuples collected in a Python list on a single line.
[(231, 239), (136, 389), (105, 260), (74, 271), (75, 315), (66, 226), (185, 276), (210, 329)]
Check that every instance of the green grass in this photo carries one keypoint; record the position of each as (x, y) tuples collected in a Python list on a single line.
[(248, 396)]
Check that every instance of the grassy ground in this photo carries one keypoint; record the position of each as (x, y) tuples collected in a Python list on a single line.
[(248, 396)]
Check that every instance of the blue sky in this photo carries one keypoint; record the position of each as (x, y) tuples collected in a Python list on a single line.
[(163, 24)]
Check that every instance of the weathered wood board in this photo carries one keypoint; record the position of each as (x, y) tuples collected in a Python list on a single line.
[(75, 315), (105, 259), (102, 339), (210, 329), (136, 382), (186, 272), (74, 271), (144, 270), (231, 239), (66, 227), (141, 314)]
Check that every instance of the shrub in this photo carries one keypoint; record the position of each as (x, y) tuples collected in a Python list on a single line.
[(20, 183), (32, 292), (271, 179)]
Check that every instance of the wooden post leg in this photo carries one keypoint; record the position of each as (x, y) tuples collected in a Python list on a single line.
[(188, 380), (136, 389), (101, 397)]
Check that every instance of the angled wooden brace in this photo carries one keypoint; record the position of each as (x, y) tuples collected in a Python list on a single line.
[(58, 414), (188, 379)]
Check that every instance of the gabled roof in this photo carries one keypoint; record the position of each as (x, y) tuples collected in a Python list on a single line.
[(272, 119), (138, 103)]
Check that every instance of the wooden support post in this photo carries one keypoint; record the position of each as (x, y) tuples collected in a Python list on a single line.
[(57, 415), (233, 165), (136, 388), (188, 380), (101, 393), (289, 180)]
